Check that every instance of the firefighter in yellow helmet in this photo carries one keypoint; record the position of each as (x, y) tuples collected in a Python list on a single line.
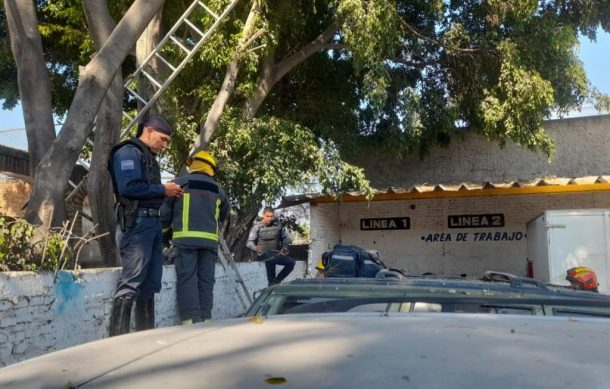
[(322, 265), (195, 221), (202, 162)]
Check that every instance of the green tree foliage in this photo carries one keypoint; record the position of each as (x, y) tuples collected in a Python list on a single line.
[(405, 74), (261, 158), (409, 75), (400, 75), (494, 67), (67, 46)]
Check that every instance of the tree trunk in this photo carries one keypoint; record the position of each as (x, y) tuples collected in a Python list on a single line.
[(107, 132), (32, 78), (228, 84), (238, 230), (271, 73), (46, 203), (145, 44)]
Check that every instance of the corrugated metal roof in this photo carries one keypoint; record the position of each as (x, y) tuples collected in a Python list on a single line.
[(466, 189)]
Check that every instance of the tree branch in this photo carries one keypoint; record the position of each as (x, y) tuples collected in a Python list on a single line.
[(318, 44), (108, 128), (272, 72), (32, 78), (418, 34), (228, 84), (54, 169)]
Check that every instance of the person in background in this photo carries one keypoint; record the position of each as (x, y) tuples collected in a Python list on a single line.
[(136, 178), (322, 264), (195, 221), (270, 242), (582, 278)]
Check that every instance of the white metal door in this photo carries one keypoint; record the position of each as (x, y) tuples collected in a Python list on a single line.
[(578, 238)]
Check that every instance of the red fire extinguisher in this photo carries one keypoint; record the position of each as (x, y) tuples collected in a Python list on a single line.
[(530, 268)]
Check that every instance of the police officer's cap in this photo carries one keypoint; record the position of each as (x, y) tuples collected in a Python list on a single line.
[(158, 124)]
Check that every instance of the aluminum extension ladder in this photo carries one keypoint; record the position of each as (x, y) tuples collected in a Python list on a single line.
[(226, 260), (186, 37), (190, 41)]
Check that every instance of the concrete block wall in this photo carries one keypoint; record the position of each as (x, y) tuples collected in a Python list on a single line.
[(40, 313), (581, 150), (325, 230), (430, 245)]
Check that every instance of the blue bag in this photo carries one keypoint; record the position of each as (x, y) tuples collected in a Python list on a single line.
[(347, 261)]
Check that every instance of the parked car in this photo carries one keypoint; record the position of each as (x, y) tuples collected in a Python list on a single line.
[(349, 350), (495, 293)]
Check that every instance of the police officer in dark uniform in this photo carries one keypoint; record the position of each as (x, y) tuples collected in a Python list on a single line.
[(136, 177), (270, 241), (194, 221)]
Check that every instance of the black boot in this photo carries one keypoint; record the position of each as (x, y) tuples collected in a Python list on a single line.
[(120, 318), (145, 314)]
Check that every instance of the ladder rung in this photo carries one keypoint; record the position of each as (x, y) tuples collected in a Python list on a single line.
[(86, 216), (75, 190), (166, 62), (131, 78), (136, 95), (177, 41), (94, 125), (208, 10), (152, 79), (191, 25)]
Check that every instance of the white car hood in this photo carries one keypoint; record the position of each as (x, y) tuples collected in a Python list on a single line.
[(338, 350)]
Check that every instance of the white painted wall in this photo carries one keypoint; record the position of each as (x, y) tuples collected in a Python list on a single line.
[(417, 251), (325, 230), (38, 315), (582, 150)]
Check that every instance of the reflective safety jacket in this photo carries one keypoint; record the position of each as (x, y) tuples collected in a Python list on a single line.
[(196, 216)]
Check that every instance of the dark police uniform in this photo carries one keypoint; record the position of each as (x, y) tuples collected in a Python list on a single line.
[(137, 182), (272, 238), (195, 219)]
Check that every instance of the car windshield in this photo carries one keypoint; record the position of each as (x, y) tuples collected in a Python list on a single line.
[(444, 296)]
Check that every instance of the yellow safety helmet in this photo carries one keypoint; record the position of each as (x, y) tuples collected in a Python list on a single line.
[(205, 157), (320, 265), (323, 261)]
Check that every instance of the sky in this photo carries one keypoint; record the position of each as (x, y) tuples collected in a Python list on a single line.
[(594, 55)]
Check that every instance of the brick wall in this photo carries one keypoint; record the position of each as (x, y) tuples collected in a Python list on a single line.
[(38, 315), (582, 150), (325, 230), (430, 245)]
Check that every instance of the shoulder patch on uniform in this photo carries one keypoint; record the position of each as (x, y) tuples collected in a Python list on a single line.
[(128, 165)]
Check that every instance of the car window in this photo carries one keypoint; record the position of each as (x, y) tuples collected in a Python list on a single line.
[(373, 307), (281, 304), (340, 305), (567, 311), (396, 298), (426, 307), (289, 303), (512, 310)]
